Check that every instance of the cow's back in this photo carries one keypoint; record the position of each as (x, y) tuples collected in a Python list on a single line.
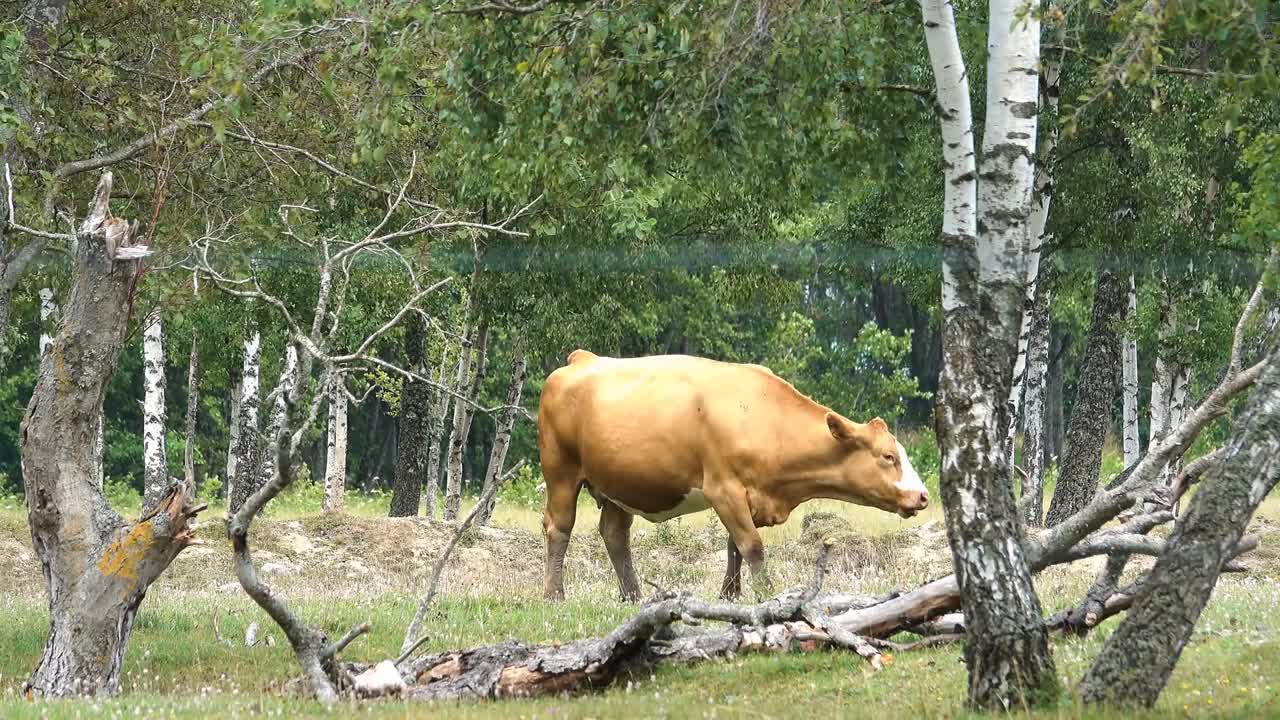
[(643, 431)]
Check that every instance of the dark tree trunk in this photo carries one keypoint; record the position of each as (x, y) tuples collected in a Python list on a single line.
[(1095, 396), (1137, 659), (97, 567), (414, 445)]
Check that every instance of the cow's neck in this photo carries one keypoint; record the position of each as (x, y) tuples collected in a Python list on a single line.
[(810, 468)]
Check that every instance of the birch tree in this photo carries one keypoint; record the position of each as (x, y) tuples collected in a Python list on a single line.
[(154, 415), (439, 413), (1132, 446), (1033, 447), (48, 319), (335, 467), (239, 485), (502, 439), (985, 240), (412, 424), (193, 413), (463, 412)]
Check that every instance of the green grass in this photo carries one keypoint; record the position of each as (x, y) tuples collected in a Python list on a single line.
[(187, 659)]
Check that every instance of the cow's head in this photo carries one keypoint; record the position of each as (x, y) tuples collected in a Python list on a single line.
[(874, 467)]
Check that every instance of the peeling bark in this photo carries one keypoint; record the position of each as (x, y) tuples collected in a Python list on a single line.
[(240, 485), (154, 415), (414, 443), (1091, 414), (502, 439), (97, 567), (335, 468), (1137, 659)]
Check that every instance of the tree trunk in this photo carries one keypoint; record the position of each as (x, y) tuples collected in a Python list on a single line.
[(193, 412), (463, 411), (1132, 447), (279, 416), (48, 319), (1095, 394), (1138, 657), (985, 251), (413, 447), (1054, 412), (233, 429), (97, 567), (241, 485), (439, 415), (502, 440), (335, 467), (1033, 451), (154, 416)]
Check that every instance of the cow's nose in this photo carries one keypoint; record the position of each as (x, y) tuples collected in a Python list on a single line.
[(924, 500)]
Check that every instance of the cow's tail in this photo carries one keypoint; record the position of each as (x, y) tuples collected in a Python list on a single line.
[(581, 356)]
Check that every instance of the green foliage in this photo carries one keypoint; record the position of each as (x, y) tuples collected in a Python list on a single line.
[(123, 496), (522, 490)]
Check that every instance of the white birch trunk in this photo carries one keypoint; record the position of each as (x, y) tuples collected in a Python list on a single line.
[(1006, 651), (335, 467), (1033, 435), (1129, 356), (49, 313), (502, 438), (441, 411), (279, 411), (248, 424), (193, 411), (155, 470), (461, 419)]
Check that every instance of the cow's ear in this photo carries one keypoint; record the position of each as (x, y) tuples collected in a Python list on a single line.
[(878, 424), (841, 429)]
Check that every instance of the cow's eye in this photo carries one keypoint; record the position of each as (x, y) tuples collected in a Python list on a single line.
[(890, 458)]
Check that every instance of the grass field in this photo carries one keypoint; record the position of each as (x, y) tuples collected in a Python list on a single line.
[(187, 657)]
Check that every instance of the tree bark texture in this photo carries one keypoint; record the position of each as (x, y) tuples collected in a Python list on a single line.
[(414, 444), (288, 379), (1138, 657), (439, 413), (502, 439), (1033, 451), (984, 276), (154, 416), (1054, 402), (1132, 446), (1091, 414), (463, 412), (335, 467), (193, 413), (97, 566), (48, 319), (233, 430), (247, 473)]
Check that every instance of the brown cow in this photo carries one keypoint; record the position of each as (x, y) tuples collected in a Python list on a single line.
[(668, 435)]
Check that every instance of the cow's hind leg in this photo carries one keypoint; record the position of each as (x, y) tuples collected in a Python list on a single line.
[(615, 529), (563, 484), (731, 587)]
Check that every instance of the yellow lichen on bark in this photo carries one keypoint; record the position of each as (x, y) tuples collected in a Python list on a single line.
[(122, 557)]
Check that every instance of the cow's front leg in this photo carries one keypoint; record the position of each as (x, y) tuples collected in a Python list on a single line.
[(734, 511), (731, 587)]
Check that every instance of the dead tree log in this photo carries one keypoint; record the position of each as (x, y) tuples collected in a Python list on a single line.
[(97, 567)]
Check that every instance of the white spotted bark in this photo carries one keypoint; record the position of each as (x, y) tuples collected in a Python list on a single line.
[(155, 471), (502, 439), (986, 249), (288, 380), (97, 567), (239, 485), (335, 468), (1033, 450), (1132, 447), (233, 431)]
